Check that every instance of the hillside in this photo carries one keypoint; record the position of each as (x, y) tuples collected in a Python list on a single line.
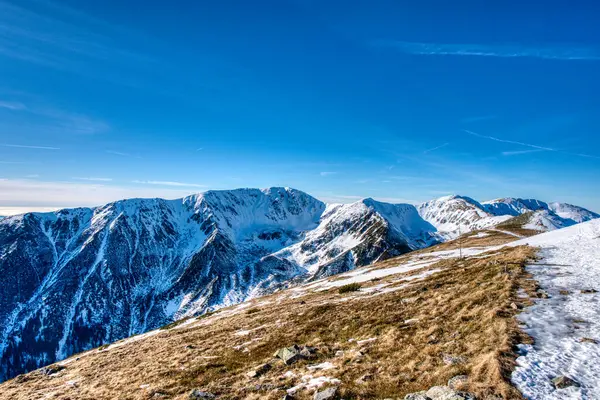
[(415, 322), (79, 278)]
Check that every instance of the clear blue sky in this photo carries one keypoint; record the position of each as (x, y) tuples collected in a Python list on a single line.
[(400, 101)]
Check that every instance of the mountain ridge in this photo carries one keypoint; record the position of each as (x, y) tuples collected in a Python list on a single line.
[(78, 278)]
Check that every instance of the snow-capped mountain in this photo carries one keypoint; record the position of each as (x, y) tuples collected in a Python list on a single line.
[(544, 216), (78, 278), (452, 215), (75, 279)]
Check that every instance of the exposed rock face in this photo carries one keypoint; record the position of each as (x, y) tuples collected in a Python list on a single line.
[(76, 279), (79, 278)]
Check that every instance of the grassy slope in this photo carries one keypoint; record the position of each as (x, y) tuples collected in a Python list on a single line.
[(464, 311)]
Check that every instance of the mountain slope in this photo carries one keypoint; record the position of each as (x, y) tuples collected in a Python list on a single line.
[(79, 278), (415, 322), (76, 279), (452, 215)]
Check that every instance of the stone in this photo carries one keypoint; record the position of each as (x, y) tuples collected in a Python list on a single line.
[(287, 397), (447, 393), (327, 394), (364, 379), (542, 294), (514, 306), (291, 354), (51, 369), (432, 339), (416, 396), (258, 371), (561, 382), (588, 340), (339, 353), (452, 360), (458, 382), (198, 394), (589, 291)]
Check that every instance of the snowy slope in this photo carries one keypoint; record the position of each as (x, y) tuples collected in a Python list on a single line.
[(358, 234), (454, 214), (76, 279), (571, 212), (558, 215), (570, 262)]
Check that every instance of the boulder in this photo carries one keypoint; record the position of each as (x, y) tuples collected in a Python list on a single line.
[(447, 393), (561, 382), (327, 394), (198, 394), (291, 354)]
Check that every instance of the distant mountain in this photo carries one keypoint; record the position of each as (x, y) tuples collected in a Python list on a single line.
[(454, 214), (545, 216), (75, 279)]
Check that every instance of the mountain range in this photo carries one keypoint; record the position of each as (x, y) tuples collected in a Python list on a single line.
[(75, 279)]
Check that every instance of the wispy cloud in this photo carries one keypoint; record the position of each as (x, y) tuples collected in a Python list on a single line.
[(95, 179), (200, 149), (491, 50), (519, 152), (533, 146), (328, 173), (12, 105), (122, 154), (435, 148), (53, 119), (22, 146), (32, 176), (169, 183)]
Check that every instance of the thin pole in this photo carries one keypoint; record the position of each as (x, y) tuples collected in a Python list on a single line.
[(460, 241)]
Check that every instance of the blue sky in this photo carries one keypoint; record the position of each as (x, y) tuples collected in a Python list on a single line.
[(393, 100)]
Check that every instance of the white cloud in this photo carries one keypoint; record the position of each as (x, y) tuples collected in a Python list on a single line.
[(328, 173), (24, 194), (485, 50)]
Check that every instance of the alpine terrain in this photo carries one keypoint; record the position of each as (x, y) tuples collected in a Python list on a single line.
[(76, 279)]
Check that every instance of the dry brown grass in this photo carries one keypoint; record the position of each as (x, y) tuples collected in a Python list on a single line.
[(463, 311)]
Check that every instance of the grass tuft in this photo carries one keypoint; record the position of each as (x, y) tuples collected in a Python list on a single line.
[(351, 287)]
